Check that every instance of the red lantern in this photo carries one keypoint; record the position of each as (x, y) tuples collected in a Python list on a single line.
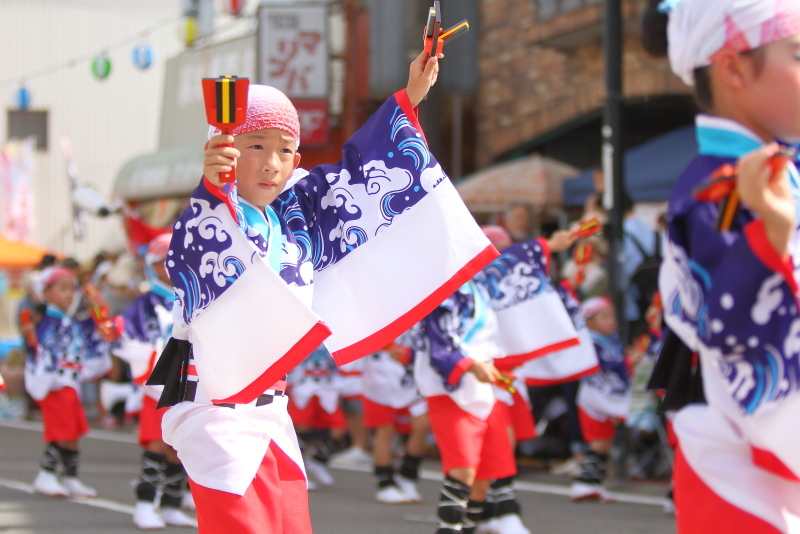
[(234, 7)]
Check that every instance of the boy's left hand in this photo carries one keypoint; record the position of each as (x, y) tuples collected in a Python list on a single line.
[(421, 76), (561, 240)]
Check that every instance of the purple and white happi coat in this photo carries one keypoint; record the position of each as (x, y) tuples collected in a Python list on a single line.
[(568, 364), (379, 239), (147, 326), (731, 298), (69, 352)]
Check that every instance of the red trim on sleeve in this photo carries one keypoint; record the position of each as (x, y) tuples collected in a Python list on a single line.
[(554, 381), (515, 360), (545, 244), (280, 368), (568, 286), (220, 194), (392, 331), (767, 461), (405, 104), (757, 239), (458, 371), (141, 380)]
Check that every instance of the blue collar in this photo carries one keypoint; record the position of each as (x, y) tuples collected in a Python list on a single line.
[(267, 224), (724, 138), (52, 311)]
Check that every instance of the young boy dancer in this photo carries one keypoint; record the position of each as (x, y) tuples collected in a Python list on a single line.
[(728, 281), (68, 353), (243, 259), (603, 400), (146, 327), (454, 372), (390, 397)]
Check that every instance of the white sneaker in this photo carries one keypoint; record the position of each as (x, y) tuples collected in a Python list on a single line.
[(570, 468), (176, 518), (669, 506), (606, 496), (581, 491), (488, 527), (77, 488), (353, 455), (319, 471), (47, 483), (187, 501), (409, 488), (510, 524), (391, 495), (310, 484), (145, 516)]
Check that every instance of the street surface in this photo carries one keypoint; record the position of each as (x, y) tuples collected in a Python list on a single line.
[(110, 462)]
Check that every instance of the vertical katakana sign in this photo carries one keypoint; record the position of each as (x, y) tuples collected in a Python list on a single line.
[(293, 50)]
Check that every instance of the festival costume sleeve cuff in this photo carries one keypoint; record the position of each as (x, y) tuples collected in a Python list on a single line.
[(411, 112), (459, 370), (221, 194), (756, 236)]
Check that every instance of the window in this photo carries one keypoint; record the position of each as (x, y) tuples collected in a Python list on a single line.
[(24, 124), (550, 9)]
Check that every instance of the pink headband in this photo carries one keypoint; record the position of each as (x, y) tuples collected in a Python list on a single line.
[(594, 305), (268, 107), (699, 30), (157, 249), (51, 275), (497, 235)]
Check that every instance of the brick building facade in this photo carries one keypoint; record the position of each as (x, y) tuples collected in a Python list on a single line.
[(542, 84)]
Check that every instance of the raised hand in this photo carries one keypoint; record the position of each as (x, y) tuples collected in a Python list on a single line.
[(219, 158)]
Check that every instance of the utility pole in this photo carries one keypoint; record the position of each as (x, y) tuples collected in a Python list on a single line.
[(613, 161)]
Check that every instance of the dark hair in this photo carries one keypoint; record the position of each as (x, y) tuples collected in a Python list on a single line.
[(654, 30), (655, 42), (70, 263), (46, 261)]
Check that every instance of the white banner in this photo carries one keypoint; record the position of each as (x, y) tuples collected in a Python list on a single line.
[(293, 50), (16, 190)]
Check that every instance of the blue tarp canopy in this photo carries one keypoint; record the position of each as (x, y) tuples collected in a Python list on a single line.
[(650, 168)]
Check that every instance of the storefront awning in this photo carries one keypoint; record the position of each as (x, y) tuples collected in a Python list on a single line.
[(16, 255), (534, 179), (169, 172), (650, 169)]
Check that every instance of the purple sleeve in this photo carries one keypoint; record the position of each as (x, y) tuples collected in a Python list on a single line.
[(731, 294), (443, 329)]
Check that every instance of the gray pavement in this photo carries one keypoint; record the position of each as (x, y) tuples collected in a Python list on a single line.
[(110, 464)]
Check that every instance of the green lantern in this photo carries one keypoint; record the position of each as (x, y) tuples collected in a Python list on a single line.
[(101, 67)]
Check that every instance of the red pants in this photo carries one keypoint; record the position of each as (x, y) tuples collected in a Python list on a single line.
[(275, 503), (593, 429), (521, 418), (63, 416), (466, 441), (700, 510), (315, 416), (150, 421)]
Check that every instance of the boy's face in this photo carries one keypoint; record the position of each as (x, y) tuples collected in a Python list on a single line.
[(60, 293), (773, 93), (604, 321), (268, 158)]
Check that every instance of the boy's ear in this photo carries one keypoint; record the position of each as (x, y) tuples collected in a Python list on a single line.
[(732, 69), (296, 159)]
